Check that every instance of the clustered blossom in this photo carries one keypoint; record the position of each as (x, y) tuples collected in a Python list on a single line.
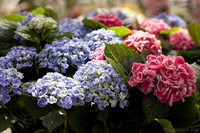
[(171, 78), (73, 25), (41, 22), (118, 13), (154, 26), (19, 57), (139, 40), (60, 54), (102, 85), (181, 40), (56, 88), (36, 21), (110, 20), (154, 7), (98, 38), (99, 54), (10, 81), (171, 19)]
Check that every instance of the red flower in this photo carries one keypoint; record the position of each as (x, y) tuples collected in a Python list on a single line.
[(110, 20)]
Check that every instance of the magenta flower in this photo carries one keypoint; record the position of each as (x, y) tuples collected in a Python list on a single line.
[(154, 26), (170, 78), (110, 20), (139, 40), (99, 54), (181, 40)]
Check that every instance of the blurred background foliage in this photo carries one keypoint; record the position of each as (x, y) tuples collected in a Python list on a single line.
[(187, 9)]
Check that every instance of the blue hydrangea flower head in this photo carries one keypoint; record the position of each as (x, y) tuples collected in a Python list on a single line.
[(37, 22), (10, 81), (56, 88), (120, 15), (172, 19), (19, 57), (60, 54), (102, 85), (75, 26), (97, 38)]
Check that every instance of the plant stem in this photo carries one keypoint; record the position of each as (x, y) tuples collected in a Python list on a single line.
[(36, 67)]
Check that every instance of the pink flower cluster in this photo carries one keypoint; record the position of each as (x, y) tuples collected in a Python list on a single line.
[(139, 40), (99, 54), (110, 20), (181, 40), (154, 7), (171, 78), (154, 26)]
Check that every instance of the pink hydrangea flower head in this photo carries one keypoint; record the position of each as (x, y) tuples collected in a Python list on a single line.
[(171, 78), (110, 20), (181, 40), (99, 54), (154, 26), (139, 40)]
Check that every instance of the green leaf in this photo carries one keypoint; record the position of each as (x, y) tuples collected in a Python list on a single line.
[(153, 108), (138, 26), (82, 119), (99, 128), (68, 35), (54, 119), (170, 31), (39, 10), (121, 57), (28, 34), (194, 31), (7, 25), (182, 115), (41, 131), (196, 68), (190, 54), (34, 109), (14, 17), (5, 120), (102, 128), (164, 45), (120, 31), (167, 125), (7, 36), (93, 24), (128, 126), (118, 68), (51, 13), (103, 115)]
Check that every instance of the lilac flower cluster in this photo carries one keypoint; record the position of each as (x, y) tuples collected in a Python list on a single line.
[(36, 21), (60, 54), (19, 57), (56, 88), (10, 81), (102, 85), (73, 25), (171, 19), (98, 38), (40, 22)]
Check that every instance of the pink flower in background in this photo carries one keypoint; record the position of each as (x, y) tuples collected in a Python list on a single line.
[(171, 78), (110, 20), (154, 26), (181, 40), (99, 54), (154, 7), (139, 40)]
